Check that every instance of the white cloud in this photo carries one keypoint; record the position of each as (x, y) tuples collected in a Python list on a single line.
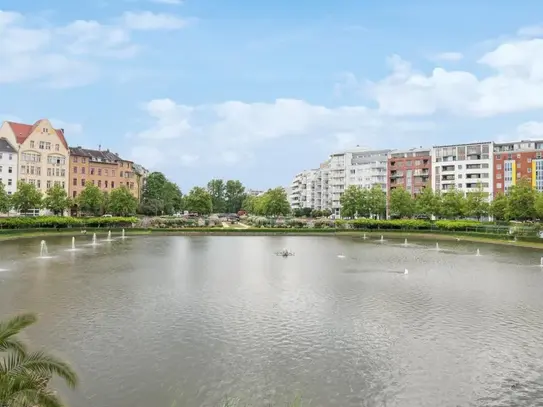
[(228, 133), (146, 21), (531, 31), (71, 54), (449, 56)]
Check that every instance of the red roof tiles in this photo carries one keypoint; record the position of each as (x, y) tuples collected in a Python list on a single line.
[(22, 131)]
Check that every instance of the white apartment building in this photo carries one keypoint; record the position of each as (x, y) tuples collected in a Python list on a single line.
[(322, 188), (463, 166), (8, 166)]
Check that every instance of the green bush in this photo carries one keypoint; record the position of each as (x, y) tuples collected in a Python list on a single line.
[(63, 222), (412, 224)]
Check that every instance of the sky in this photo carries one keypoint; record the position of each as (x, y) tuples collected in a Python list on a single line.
[(259, 91)]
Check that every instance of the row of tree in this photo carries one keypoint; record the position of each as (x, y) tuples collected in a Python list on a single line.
[(273, 202), (92, 201), (521, 202)]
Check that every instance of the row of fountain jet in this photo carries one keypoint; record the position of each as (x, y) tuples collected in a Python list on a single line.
[(44, 252), (406, 244)]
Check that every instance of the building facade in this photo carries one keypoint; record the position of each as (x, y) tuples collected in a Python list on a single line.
[(140, 175), (463, 167), (102, 168), (410, 169), (516, 160), (8, 166), (42, 153)]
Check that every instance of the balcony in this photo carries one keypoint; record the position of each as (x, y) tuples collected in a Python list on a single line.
[(447, 168)]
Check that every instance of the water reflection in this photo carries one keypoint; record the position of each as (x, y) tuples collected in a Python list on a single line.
[(150, 319)]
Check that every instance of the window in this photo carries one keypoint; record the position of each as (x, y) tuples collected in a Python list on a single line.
[(112, 184), (62, 173), (518, 155), (9, 181), (0, 168), (74, 194), (38, 183), (459, 185), (105, 183), (105, 172), (460, 166), (23, 169), (11, 156), (112, 173), (518, 175), (32, 144), (75, 181), (498, 176), (75, 170), (49, 171), (121, 174), (99, 171), (63, 184), (519, 165), (499, 167), (42, 145), (92, 170), (48, 184), (57, 147), (131, 185), (529, 170), (74, 159), (57, 172), (82, 170), (499, 185), (10, 170), (48, 146), (459, 175), (99, 183), (82, 182), (529, 160), (83, 160)]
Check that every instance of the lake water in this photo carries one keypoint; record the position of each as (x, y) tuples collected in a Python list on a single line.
[(148, 321)]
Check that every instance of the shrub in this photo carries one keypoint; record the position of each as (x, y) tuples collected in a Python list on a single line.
[(64, 222)]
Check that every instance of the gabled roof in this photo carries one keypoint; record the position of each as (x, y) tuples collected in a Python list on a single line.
[(6, 147), (104, 156), (22, 131)]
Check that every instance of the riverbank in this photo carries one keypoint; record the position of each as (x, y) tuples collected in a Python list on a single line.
[(394, 234)]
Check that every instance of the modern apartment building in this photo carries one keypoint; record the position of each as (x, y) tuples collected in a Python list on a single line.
[(103, 168), (464, 167), (516, 160), (410, 169), (8, 166), (42, 153)]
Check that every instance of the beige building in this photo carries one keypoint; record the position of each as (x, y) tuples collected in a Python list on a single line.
[(42, 151)]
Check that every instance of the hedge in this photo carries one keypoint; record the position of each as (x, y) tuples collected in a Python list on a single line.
[(48, 222)]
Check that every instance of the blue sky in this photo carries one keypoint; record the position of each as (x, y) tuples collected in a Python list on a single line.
[(259, 91)]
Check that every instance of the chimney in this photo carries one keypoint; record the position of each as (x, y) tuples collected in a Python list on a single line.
[(99, 147), (62, 131)]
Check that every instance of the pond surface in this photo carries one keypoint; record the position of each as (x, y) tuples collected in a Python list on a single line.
[(149, 321)]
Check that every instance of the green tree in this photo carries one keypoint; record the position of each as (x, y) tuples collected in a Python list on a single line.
[(306, 212), (520, 201), (5, 199), (426, 203), (106, 200), (90, 200), (274, 202), (352, 201), (122, 202), (56, 200), (453, 204), (377, 201), (160, 196), (249, 204), (24, 375), (498, 207), (217, 190), (154, 186), (199, 200), (26, 197), (477, 204), (172, 198), (401, 203), (234, 195), (538, 205)]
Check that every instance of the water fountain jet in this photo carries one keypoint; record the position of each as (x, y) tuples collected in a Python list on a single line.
[(405, 242), (73, 243), (122, 235), (437, 246), (44, 253), (94, 239), (382, 239), (478, 252)]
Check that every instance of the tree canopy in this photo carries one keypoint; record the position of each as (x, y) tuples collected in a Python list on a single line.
[(273, 202), (121, 202), (198, 200), (56, 200), (26, 197), (91, 199)]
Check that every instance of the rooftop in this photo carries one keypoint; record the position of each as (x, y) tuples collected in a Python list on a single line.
[(22, 131), (6, 147), (104, 156)]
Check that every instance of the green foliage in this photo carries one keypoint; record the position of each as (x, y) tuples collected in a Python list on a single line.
[(453, 205), (90, 200), (426, 203), (23, 222), (26, 197), (273, 202), (182, 222), (5, 199), (498, 207), (121, 202), (377, 201), (160, 196), (476, 204), (401, 203), (24, 375), (217, 189), (521, 201), (353, 202), (56, 200), (199, 201), (234, 195)]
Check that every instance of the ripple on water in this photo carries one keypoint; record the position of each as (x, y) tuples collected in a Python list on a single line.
[(194, 319)]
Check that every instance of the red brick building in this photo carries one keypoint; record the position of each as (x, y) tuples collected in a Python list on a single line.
[(411, 169), (516, 160)]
